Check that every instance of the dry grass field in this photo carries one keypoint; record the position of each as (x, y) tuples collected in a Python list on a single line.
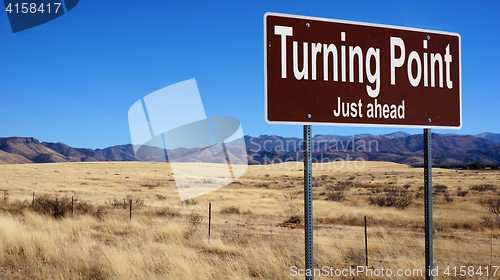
[(256, 230)]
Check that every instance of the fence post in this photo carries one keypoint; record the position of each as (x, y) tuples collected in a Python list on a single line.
[(33, 205), (4, 194), (366, 245), (209, 218), (72, 206), (131, 209)]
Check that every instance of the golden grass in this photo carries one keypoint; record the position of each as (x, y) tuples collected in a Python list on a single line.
[(162, 241)]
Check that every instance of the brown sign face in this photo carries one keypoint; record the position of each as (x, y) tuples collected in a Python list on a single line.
[(329, 72)]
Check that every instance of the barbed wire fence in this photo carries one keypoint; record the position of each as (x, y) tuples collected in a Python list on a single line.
[(373, 244)]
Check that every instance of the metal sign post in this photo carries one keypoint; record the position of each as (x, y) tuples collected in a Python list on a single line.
[(308, 207), (428, 203)]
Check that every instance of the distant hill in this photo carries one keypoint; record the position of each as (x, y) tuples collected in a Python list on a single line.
[(446, 150), (490, 153), (8, 158), (117, 153), (73, 154), (495, 137), (400, 147), (31, 149)]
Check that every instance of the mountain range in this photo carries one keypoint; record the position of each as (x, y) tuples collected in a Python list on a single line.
[(400, 147)]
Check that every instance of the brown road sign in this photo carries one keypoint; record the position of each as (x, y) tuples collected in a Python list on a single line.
[(331, 72)]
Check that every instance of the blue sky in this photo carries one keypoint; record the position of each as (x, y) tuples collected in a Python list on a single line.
[(73, 79)]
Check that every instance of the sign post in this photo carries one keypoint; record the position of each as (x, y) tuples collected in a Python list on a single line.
[(308, 201), (332, 72), (428, 203)]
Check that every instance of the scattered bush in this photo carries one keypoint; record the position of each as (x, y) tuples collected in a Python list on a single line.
[(490, 222), (194, 220), (342, 186), (264, 185), (190, 201), (483, 187), (440, 188), (447, 197), (167, 212), (161, 196), (14, 206), (230, 210), (462, 193), (295, 219), (59, 207), (392, 197), (125, 203), (350, 220), (345, 185), (492, 205), (338, 196)]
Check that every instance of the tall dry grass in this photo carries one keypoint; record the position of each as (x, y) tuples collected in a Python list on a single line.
[(165, 239)]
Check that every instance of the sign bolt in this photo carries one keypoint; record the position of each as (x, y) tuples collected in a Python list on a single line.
[(429, 119), (308, 116), (307, 24)]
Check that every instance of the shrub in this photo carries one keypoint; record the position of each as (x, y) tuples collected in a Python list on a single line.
[(440, 188), (167, 212), (492, 205), (161, 197), (194, 220), (342, 186), (60, 207), (447, 197), (475, 166), (14, 206), (125, 203), (490, 222), (230, 210), (483, 187), (392, 197), (190, 201), (295, 219), (350, 220), (462, 193), (338, 196)]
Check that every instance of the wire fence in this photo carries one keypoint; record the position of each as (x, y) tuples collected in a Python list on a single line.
[(374, 244)]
